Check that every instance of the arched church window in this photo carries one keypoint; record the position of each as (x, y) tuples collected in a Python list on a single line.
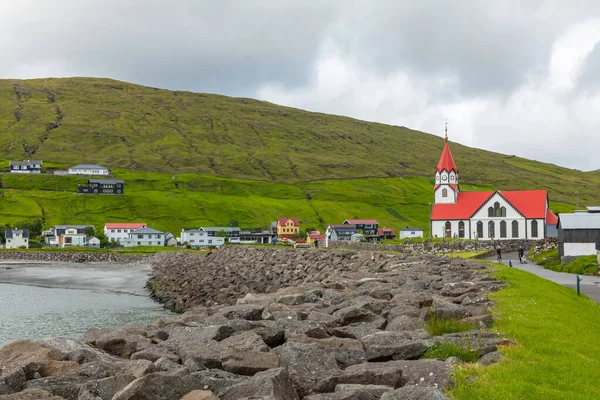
[(496, 209), (502, 212), (491, 229), (534, 228), (448, 229), (461, 229), (491, 212), (444, 192), (479, 229), (515, 229), (502, 228)]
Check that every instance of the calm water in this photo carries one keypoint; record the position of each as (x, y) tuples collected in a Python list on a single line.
[(66, 300)]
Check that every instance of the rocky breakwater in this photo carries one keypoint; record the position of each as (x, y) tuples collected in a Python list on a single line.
[(70, 256), (353, 328)]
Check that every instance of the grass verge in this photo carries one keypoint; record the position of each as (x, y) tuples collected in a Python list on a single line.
[(557, 357), (439, 326), (584, 265), (445, 350)]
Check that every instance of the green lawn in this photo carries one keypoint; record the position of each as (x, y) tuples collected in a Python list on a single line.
[(557, 356), (585, 265)]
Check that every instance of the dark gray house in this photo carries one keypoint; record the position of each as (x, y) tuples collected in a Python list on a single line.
[(367, 226), (341, 232), (103, 186)]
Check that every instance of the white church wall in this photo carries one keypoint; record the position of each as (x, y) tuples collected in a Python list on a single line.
[(451, 198), (438, 228), (482, 214)]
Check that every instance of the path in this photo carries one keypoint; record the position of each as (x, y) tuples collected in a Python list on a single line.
[(590, 285)]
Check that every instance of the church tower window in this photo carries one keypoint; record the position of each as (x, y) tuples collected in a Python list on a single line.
[(444, 192)]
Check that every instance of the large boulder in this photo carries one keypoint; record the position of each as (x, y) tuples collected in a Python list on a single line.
[(248, 362), (307, 364), (346, 351), (31, 394), (411, 392), (200, 395), (26, 359), (397, 345), (104, 388), (363, 374), (274, 384), (160, 385)]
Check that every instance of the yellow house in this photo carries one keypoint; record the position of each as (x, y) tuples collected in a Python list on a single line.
[(315, 235), (288, 227)]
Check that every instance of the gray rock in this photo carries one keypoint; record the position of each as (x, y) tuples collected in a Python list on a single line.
[(161, 385), (122, 344), (217, 381), (353, 314), (307, 365), (31, 394), (398, 345), (274, 384), (430, 373), (404, 323), (104, 388), (346, 351), (447, 312), (350, 395), (251, 312), (375, 390), (363, 374), (248, 362), (200, 395), (355, 331), (154, 353), (411, 392), (166, 364), (491, 358), (246, 341), (272, 336)]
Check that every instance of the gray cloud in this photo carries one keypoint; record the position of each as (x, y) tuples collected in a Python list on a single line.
[(502, 71)]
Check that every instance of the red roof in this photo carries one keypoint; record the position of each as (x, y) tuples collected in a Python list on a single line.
[(530, 203), (446, 161), (317, 236), (452, 185), (383, 231), (125, 225), (551, 218), (464, 208), (361, 222), (282, 221)]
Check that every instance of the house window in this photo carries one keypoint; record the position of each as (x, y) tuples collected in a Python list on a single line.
[(112, 231), (479, 229), (534, 228), (503, 228), (515, 229), (158, 236), (491, 229), (118, 231), (140, 236), (448, 229), (444, 192), (491, 212), (139, 243), (461, 229), (210, 242)]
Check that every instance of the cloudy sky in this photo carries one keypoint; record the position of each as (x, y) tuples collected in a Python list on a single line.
[(510, 76)]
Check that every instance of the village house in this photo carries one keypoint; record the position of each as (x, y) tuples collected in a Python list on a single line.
[(55, 237), (578, 232), (145, 237), (316, 235), (498, 215), (367, 226), (94, 243), (119, 231), (254, 236), (16, 238), (200, 238), (88, 169), (341, 232), (288, 227), (231, 232), (386, 233), (102, 186), (411, 233), (26, 167)]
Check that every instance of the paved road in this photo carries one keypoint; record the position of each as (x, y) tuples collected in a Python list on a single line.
[(590, 285)]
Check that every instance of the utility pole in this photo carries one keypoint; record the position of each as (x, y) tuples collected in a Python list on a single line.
[(577, 194)]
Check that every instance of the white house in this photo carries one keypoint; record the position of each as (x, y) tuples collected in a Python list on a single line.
[(73, 238), (411, 233), (578, 233), (145, 237), (88, 169), (200, 237), (499, 215), (16, 238), (94, 243), (26, 167), (119, 231), (55, 237)]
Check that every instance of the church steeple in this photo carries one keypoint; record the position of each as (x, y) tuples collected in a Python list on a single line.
[(446, 176)]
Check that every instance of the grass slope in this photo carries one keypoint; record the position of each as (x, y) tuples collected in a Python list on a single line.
[(557, 356), (235, 158)]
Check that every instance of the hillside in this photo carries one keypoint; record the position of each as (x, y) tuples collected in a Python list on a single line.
[(235, 158)]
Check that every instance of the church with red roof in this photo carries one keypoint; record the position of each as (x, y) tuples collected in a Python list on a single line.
[(499, 215)]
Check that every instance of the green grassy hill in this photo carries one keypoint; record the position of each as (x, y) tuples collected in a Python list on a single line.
[(194, 159)]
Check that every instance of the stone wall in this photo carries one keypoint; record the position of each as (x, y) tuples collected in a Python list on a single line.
[(431, 248), (70, 256)]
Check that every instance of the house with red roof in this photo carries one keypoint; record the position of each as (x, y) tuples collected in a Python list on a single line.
[(119, 231), (498, 215), (288, 227), (315, 235)]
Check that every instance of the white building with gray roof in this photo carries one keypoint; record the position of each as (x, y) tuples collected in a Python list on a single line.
[(145, 237), (26, 167), (88, 169), (16, 238), (578, 233)]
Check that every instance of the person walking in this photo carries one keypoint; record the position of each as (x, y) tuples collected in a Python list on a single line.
[(499, 253), (521, 255), (316, 243)]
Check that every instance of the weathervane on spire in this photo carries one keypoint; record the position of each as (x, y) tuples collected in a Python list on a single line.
[(446, 129)]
